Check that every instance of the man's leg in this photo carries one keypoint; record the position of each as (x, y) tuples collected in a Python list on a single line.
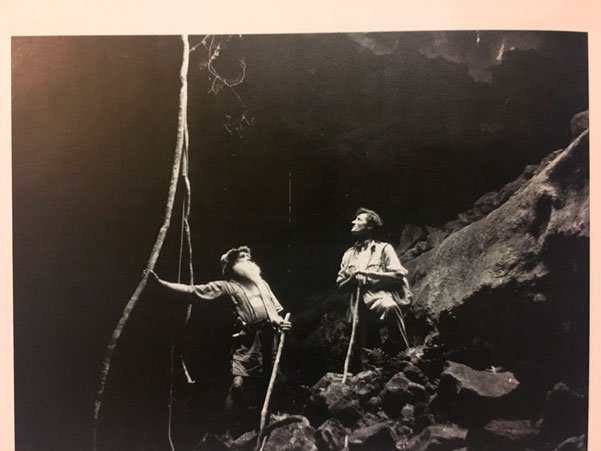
[(234, 394), (397, 332)]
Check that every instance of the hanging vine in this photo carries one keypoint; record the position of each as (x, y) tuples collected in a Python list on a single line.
[(212, 46), (156, 249)]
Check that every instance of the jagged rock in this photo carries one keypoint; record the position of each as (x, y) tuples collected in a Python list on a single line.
[(435, 236), (331, 398), (326, 381), (413, 373), (398, 391), (579, 123), (419, 248), (365, 384), (436, 437), (423, 417), (408, 414), (423, 421), (402, 431), (370, 418), (293, 435), (564, 414), (411, 234), (378, 436), (504, 435), (331, 435), (374, 403), (460, 379), (472, 397), (573, 444)]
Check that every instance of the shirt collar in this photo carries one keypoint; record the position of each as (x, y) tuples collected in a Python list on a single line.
[(361, 245)]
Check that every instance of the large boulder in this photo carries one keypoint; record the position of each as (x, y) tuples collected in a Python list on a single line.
[(331, 435), (330, 398), (378, 436), (460, 380), (436, 437), (399, 391), (564, 414), (504, 435), (471, 397), (293, 433), (508, 245)]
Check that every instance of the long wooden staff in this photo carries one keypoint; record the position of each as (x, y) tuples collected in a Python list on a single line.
[(355, 311), (274, 372)]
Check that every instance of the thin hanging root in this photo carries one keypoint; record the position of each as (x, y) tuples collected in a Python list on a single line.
[(156, 250), (351, 342), (169, 431), (185, 225)]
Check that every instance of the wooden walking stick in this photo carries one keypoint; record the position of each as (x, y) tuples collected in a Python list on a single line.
[(274, 372), (355, 312)]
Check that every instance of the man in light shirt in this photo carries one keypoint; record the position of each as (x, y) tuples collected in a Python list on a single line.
[(257, 313), (374, 267)]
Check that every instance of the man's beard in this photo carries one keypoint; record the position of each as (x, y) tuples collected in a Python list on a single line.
[(247, 270)]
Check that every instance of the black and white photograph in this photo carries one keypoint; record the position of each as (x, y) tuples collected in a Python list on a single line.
[(301, 241)]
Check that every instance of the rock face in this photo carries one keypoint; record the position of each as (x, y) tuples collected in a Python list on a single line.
[(508, 284), (508, 244)]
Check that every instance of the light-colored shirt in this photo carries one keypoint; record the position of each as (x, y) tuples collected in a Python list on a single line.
[(375, 256), (250, 309)]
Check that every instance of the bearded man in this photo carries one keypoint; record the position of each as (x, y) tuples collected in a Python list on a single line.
[(257, 313), (374, 267)]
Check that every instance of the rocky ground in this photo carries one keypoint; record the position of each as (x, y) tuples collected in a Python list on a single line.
[(499, 326)]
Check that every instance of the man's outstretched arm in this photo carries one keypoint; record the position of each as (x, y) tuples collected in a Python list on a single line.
[(182, 288), (211, 290)]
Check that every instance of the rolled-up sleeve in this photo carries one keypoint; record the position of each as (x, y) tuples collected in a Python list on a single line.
[(211, 290), (343, 273), (391, 261)]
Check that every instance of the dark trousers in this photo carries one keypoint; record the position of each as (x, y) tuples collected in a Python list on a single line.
[(373, 333)]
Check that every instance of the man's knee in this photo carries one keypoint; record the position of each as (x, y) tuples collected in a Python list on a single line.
[(238, 382)]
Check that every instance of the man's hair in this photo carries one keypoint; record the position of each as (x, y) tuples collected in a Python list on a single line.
[(229, 258), (373, 218)]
